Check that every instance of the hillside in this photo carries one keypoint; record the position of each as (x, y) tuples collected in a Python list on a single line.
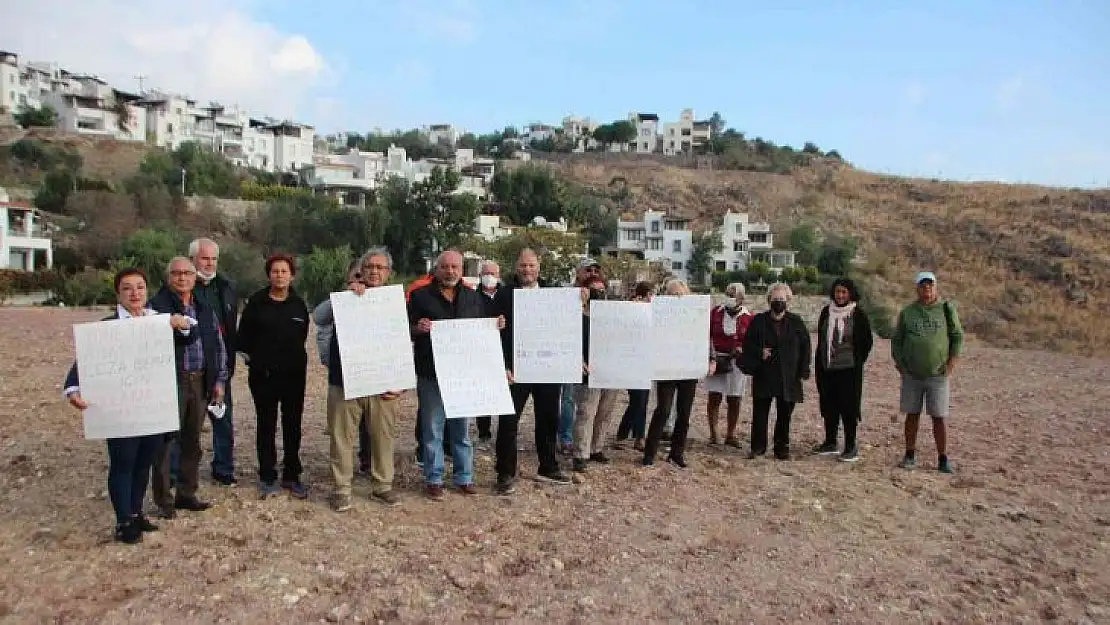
[(1028, 265), (102, 159)]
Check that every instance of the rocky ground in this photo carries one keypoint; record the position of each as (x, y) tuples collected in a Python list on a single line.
[(1020, 534)]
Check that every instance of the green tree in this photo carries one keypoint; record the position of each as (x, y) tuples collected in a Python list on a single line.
[(468, 141), (811, 148), (151, 250), (525, 193), (803, 239), (716, 125), (759, 270), (244, 264), (558, 251), (703, 246), (56, 187), (43, 117), (623, 131), (811, 274), (836, 256), (446, 215), (322, 272)]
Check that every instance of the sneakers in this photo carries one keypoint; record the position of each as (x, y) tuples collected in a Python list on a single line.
[(388, 498), (340, 503), (678, 461), (268, 489), (599, 457), (225, 480), (826, 449), (504, 486), (851, 454), (295, 488), (944, 466), (553, 477), (434, 492), (908, 462), (579, 465)]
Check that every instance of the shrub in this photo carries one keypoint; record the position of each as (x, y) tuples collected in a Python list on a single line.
[(322, 272), (261, 192), (86, 288)]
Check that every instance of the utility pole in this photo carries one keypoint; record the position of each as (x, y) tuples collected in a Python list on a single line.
[(142, 79), (182, 182)]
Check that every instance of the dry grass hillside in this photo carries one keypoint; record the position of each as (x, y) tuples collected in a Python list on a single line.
[(1028, 265), (107, 160)]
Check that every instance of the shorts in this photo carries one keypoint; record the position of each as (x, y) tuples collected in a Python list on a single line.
[(932, 394), (731, 384)]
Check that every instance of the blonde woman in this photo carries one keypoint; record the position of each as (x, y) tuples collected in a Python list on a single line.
[(667, 391), (777, 356)]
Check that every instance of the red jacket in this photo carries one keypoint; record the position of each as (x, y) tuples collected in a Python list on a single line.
[(721, 341)]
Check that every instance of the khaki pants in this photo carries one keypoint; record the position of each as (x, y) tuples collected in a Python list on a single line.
[(344, 416), (594, 407), (193, 406)]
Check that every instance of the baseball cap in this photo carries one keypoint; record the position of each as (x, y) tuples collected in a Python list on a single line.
[(923, 276), (588, 262)]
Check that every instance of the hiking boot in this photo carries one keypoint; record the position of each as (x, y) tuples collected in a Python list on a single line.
[(340, 503), (826, 449), (388, 498), (851, 454)]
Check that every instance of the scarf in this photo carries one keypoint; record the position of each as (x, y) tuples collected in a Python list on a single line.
[(838, 316), (729, 321)]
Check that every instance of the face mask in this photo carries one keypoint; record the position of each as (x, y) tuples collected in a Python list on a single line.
[(489, 281), (778, 307), (731, 303), (597, 294), (204, 276)]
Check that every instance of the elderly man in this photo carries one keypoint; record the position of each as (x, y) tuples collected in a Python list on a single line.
[(489, 285), (202, 380), (445, 298), (728, 323), (926, 344), (545, 397), (218, 294), (347, 416), (588, 270)]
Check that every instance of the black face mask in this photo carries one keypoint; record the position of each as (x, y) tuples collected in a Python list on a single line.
[(597, 294), (778, 307)]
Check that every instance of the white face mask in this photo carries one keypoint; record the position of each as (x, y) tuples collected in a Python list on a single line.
[(205, 277), (730, 303), (489, 281)]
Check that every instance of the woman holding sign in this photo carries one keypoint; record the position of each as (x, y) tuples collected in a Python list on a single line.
[(272, 333), (129, 458)]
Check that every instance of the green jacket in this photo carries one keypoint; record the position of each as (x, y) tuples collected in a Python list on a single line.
[(925, 338)]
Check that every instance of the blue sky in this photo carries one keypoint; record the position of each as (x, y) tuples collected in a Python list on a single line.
[(1016, 91)]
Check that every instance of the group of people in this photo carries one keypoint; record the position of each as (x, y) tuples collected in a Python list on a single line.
[(766, 356)]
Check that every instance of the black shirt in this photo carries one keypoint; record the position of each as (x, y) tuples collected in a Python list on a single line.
[(273, 333)]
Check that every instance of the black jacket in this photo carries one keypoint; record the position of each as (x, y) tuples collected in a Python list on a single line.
[(789, 361), (503, 305), (428, 303), (273, 333), (219, 294), (207, 331)]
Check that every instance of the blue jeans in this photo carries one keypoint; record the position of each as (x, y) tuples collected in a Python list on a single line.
[(129, 463), (223, 443), (566, 416), (434, 425)]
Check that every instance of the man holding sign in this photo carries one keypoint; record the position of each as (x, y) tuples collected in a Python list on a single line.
[(348, 406), (445, 298), (545, 396)]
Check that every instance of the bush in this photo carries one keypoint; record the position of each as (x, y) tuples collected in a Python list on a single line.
[(243, 264), (151, 250), (322, 272), (86, 288), (269, 192)]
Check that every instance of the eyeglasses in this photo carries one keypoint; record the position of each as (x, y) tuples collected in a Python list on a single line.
[(376, 267), (182, 274)]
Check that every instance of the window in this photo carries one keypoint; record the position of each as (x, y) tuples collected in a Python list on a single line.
[(645, 132), (169, 128), (757, 237), (720, 265), (671, 133), (677, 266), (655, 226), (671, 146), (735, 266), (656, 244), (645, 146), (678, 246), (739, 228), (634, 235), (685, 132), (738, 246)]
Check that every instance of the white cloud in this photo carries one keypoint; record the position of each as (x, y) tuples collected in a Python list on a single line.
[(207, 49)]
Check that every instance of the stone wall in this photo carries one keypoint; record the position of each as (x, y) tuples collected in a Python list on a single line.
[(235, 210)]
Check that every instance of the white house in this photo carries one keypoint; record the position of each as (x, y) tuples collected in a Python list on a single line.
[(24, 242), (22, 85), (647, 133), (88, 105), (537, 132), (580, 130), (685, 135), (744, 241), (656, 237), (442, 133)]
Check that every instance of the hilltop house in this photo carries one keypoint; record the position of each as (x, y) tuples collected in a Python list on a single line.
[(24, 241)]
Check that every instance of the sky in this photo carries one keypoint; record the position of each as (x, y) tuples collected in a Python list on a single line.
[(1016, 91)]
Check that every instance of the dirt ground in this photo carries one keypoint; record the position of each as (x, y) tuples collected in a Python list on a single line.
[(1020, 534)]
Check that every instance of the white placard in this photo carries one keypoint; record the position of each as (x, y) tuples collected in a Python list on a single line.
[(375, 346), (128, 376), (680, 329), (621, 351), (470, 368), (547, 336)]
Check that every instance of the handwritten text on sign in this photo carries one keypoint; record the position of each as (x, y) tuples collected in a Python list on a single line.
[(470, 368), (621, 350), (128, 376), (547, 336), (375, 347), (680, 326)]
